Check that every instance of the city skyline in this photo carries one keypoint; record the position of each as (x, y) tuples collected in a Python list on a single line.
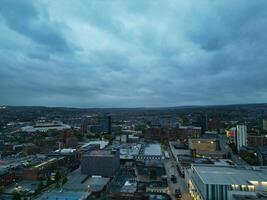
[(132, 53)]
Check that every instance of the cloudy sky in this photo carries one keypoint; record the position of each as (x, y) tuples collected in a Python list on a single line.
[(132, 53)]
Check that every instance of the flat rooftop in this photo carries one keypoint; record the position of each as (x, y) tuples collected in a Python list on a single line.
[(80, 182), (228, 175), (263, 149), (101, 153), (66, 195), (153, 149)]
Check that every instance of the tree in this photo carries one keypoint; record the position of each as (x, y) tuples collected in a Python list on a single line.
[(57, 177), (1, 189), (16, 195), (57, 185), (48, 181), (40, 186), (65, 180)]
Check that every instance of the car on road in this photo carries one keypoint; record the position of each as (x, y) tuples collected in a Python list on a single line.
[(178, 194), (173, 179)]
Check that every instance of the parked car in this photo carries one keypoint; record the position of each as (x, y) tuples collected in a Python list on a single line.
[(178, 194)]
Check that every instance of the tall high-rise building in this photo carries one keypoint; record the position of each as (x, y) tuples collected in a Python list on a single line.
[(106, 124), (241, 136), (84, 125), (264, 124), (109, 125), (204, 123)]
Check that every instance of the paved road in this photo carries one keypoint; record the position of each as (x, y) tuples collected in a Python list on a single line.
[(234, 157), (170, 165)]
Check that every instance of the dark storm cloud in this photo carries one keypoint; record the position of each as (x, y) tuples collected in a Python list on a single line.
[(132, 53), (24, 18)]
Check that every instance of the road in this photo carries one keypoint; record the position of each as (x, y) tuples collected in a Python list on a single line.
[(234, 157), (170, 166)]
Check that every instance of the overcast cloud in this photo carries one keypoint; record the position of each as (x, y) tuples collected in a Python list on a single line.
[(134, 53)]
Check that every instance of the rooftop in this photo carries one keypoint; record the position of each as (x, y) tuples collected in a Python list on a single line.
[(101, 143), (153, 149), (81, 182), (263, 149), (66, 195), (100, 153), (228, 175)]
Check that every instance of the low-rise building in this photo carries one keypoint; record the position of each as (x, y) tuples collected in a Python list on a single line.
[(66, 195), (150, 152), (255, 140), (6, 177), (210, 182)]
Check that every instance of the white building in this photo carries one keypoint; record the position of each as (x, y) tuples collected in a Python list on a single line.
[(241, 136), (46, 126), (210, 182)]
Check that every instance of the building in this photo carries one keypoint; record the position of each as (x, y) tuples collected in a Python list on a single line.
[(264, 124), (210, 182), (66, 195), (161, 133), (262, 155), (84, 125), (148, 171), (105, 124), (150, 152), (207, 147), (6, 177), (43, 169), (241, 137), (44, 126), (186, 132), (203, 144), (231, 134), (100, 163), (255, 140), (83, 183)]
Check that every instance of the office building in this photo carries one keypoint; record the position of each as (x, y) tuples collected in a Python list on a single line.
[(105, 124), (84, 125), (210, 182), (241, 137), (100, 163), (264, 124)]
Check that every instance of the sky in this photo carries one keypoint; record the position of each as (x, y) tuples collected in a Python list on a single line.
[(132, 53)]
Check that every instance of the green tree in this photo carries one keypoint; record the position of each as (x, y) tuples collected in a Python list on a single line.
[(57, 185), (40, 186), (1, 189), (65, 180), (57, 177), (16, 195), (48, 181)]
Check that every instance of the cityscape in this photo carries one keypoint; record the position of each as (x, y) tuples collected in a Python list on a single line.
[(205, 152), (133, 100)]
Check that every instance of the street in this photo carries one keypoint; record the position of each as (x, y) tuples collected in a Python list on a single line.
[(170, 166), (234, 157)]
